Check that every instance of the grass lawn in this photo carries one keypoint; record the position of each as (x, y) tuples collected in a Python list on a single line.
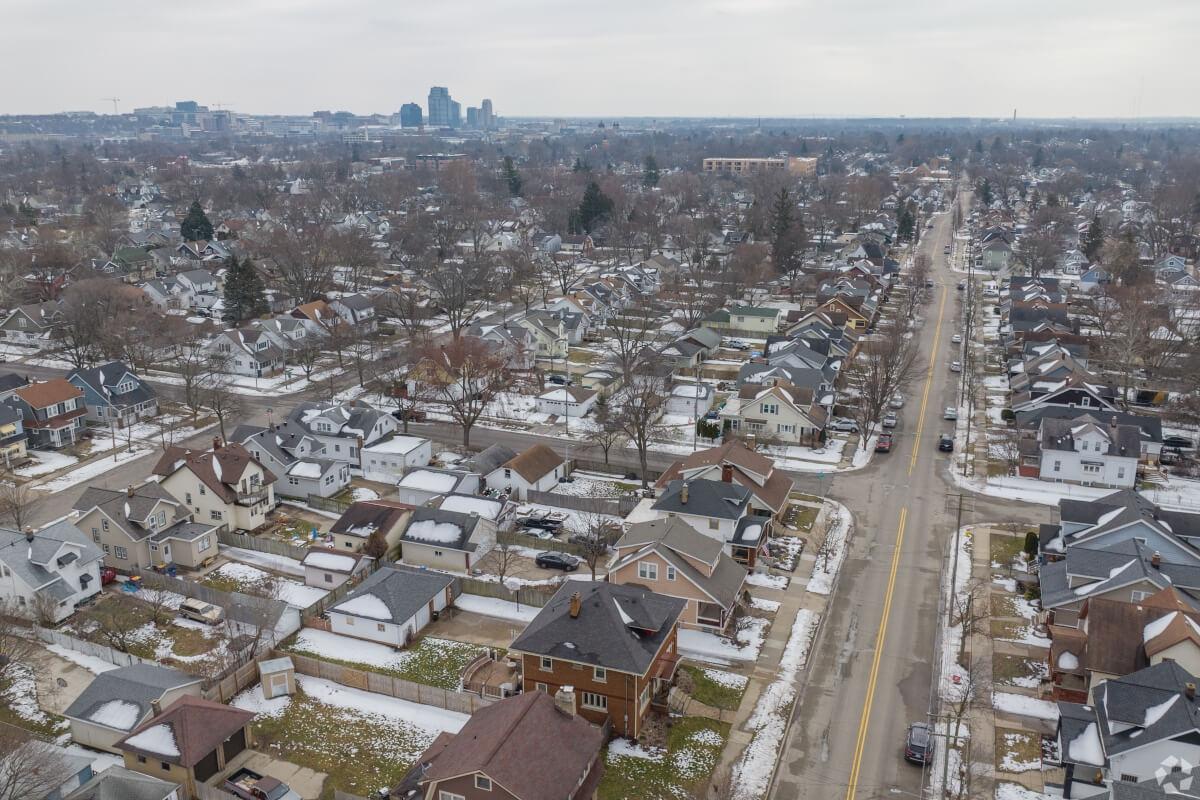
[(805, 516), (808, 498), (694, 745), (1010, 670), (1004, 548), (430, 661), (18, 704), (716, 688), (1007, 629), (359, 752), (1018, 751), (1004, 606), (577, 356), (997, 469)]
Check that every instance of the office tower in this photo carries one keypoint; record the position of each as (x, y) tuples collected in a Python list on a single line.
[(439, 107), (473, 117), (487, 118), (455, 114), (410, 115)]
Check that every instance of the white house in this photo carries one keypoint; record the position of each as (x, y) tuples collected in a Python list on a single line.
[(571, 401), (391, 458), (47, 573), (392, 605), (421, 485), (1084, 450), (690, 400), (295, 458), (225, 486), (537, 469), (343, 428)]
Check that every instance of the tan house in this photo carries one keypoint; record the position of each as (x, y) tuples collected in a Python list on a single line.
[(188, 742), (670, 557), (225, 486), (367, 517), (117, 701), (446, 540), (733, 461), (613, 647), (144, 527), (781, 412)]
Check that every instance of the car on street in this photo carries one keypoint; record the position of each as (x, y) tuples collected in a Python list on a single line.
[(897, 401), (890, 420), (928, 284), (551, 559), (737, 344), (918, 743), (946, 250), (956, 338), (956, 366), (962, 285), (844, 425), (946, 443), (1181, 442), (559, 380), (950, 413), (410, 415), (884, 443)]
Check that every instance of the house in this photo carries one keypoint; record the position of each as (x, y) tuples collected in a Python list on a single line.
[(112, 393), (118, 783), (1115, 638), (47, 573), (317, 317), (1086, 451), (357, 312), (516, 342), (344, 428), (537, 469), (329, 568), (52, 412), (779, 412), (1123, 517), (549, 333), (734, 462), (446, 540), (529, 747), (286, 333), (613, 646), (366, 517), (187, 742), (288, 452), (1149, 427), (487, 460), (32, 325), (691, 349), (1093, 278), (389, 459), (393, 604), (997, 255), (1135, 726), (119, 700), (248, 352), (488, 509), (225, 486), (421, 485), (13, 449), (144, 527), (9, 383), (692, 400), (719, 510), (670, 557), (570, 401), (744, 320)]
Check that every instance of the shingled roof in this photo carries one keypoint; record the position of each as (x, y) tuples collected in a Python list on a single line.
[(186, 731)]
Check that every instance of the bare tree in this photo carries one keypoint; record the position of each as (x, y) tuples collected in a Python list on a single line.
[(18, 502), (459, 290), (117, 621), (16, 643), (505, 556), (598, 534), (882, 367), (628, 337), (607, 431), (219, 396), (465, 375), (1039, 251), (642, 403), (29, 768)]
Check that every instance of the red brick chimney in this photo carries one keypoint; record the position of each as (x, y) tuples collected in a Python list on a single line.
[(727, 473), (576, 605), (683, 493)]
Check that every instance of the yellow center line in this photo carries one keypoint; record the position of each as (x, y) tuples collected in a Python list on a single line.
[(933, 359), (880, 637)]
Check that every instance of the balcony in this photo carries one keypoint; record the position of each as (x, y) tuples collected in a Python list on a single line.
[(253, 498)]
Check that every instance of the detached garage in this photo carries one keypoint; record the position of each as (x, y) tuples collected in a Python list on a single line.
[(393, 604)]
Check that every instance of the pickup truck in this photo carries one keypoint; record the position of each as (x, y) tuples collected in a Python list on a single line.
[(249, 785)]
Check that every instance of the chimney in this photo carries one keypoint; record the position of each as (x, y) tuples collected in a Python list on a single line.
[(727, 473), (1189, 689), (28, 534), (564, 700), (683, 493), (129, 490), (576, 605), (156, 707), (1156, 560)]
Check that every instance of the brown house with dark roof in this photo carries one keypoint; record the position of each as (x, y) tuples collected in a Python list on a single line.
[(527, 747), (226, 486), (53, 412), (361, 519), (188, 742), (537, 469), (733, 461)]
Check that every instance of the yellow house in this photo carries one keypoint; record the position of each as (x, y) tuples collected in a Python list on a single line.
[(12, 436)]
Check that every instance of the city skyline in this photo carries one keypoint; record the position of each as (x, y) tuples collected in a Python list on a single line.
[(763, 58)]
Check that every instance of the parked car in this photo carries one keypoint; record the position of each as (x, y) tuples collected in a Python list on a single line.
[(1181, 442), (844, 425), (956, 338), (950, 413), (956, 366), (918, 743), (962, 285), (884, 443), (737, 344), (410, 415), (946, 249), (551, 559), (946, 443), (559, 380), (890, 420), (249, 785), (897, 401), (200, 611)]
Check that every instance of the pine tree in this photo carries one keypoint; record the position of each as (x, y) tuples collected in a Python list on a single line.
[(650, 172), (906, 222), (1094, 241), (594, 206), (195, 226), (244, 291), (580, 166), (512, 177), (985, 192), (783, 240)]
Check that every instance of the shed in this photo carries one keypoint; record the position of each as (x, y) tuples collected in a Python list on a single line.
[(278, 676)]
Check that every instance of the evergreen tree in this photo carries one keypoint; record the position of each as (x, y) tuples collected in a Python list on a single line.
[(195, 226), (783, 239), (580, 166), (244, 291), (979, 145), (985, 192), (650, 172), (593, 208), (906, 222), (803, 147), (512, 177), (1094, 239)]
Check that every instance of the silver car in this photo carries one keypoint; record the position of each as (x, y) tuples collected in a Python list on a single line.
[(890, 420)]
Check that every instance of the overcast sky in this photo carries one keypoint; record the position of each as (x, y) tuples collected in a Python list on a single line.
[(777, 58)]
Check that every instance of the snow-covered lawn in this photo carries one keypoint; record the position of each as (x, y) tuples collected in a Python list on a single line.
[(586, 486), (766, 606), (92, 469), (954, 679), (1025, 706), (360, 493), (242, 577), (90, 663), (577, 521), (1179, 493), (431, 661), (809, 459), (833, 551), (1015, 791), (495, 607), (1029, 490), (288, 566), (682, 770), (45, 461), (723, 651), (767, 581)]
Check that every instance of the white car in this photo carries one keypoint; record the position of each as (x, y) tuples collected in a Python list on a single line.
[(950, 413), (897, 401), (956, 338), (956, 366), (890, 419)]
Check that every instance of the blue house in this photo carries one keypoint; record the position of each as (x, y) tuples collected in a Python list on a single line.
[(113, 394)]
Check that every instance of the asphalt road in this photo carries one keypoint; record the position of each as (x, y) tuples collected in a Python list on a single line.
[(871, 669)]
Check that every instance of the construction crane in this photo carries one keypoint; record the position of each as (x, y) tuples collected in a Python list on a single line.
[(114, 101)]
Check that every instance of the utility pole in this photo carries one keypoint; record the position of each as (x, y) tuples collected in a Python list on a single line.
[(959, 503)]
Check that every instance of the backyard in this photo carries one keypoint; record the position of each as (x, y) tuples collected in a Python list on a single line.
[(429, 661), (694, 745)]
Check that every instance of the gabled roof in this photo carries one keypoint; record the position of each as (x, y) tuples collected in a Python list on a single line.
[(393, 593), (434, 526), (136, 685), (488, 460), (37, 562), (186, 731), (220, 469), (129, 510), (46, 393), (620, 628), (535, 462), (672, 539), (745, 463), (705, 498), (1148, 706), (364, 517)]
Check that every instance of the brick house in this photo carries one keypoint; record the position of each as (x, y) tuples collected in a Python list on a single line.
[(614, 646)]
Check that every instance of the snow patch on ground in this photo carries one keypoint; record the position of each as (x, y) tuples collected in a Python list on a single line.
[(92, 469), (1025, 706), (833, 551), (721, 650), (495, 607)]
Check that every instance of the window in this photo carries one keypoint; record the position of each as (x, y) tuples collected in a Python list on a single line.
[(1057, 466), (547, 664), (770, 408), (104, 524), (599, 674), (215, 514), (444, 795), (1125, 776), (328, 578), (379, 626), (593, 700), (786, 428), (105, 548), (647, 571), (96, 535), (205, 543), (121, 553), (165, 766), (293, 481), (1091, 469), (713, 524), (349, 621), (1120, 473), (187, 498), (1138, 596), (541, 687), (141, 759), (483, 783), (202, 489), (670, 573)]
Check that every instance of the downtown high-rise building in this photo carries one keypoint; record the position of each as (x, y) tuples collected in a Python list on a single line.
[(473, 117), (439, 107), (410, 115), (487, 118)]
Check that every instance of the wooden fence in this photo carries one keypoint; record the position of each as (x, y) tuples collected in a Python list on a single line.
[(390, 685), (93, 649), (534, 543), (226, 686), (586, 505), (330, 504), (535, 596), (261, 544)]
